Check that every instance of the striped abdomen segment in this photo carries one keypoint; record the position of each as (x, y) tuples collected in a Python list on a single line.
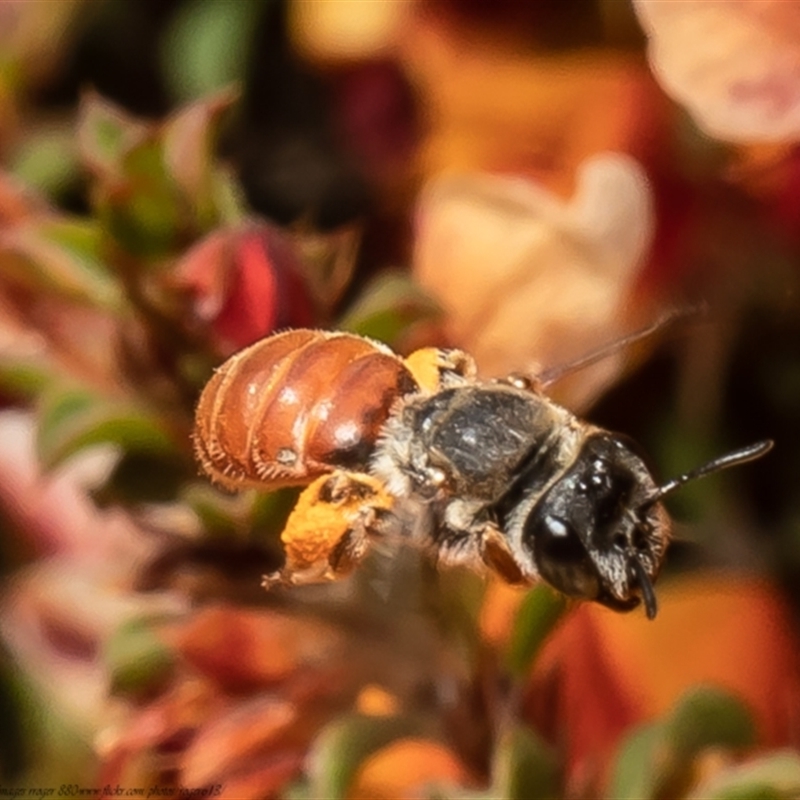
[(295, 406)]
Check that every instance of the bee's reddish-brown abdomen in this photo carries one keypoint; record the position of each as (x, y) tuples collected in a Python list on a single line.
[(295, 406)]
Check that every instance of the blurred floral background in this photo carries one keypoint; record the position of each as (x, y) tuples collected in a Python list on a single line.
[(179, 178)]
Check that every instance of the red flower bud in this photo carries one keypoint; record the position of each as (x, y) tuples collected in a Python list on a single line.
[(245, 282)]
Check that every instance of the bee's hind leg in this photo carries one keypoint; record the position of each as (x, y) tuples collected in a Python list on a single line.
[(354, 544), (330, 529)]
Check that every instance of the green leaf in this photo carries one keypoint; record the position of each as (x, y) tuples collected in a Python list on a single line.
[(655, 761), (71, 419), (342, 746), (228, 197), (25, 377), (47, 160), (208, 44), (105, 134), (524, 767), (538, 614), (219, 514), (46, 745), (139, 478), (16, 710), (189, 140), (776, 775), (458, 596), (242, 515), (388, 306), (143, 210), (62, 256), (269, 512), (750, 791), (155, 185), (708, 717), (636, 771), (298, 790), (137, 658)]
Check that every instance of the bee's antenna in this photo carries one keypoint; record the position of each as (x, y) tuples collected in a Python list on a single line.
[(553, 374), (742, 456)]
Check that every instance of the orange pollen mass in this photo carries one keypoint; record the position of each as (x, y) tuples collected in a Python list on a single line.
[(317, 524)]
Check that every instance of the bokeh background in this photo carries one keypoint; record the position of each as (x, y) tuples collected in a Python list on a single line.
[(527, 181)]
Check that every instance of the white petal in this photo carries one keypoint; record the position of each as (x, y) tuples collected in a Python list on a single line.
[(735, 64)]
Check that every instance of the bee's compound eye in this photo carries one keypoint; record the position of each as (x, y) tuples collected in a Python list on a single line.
[(558, 541), (561, 556)]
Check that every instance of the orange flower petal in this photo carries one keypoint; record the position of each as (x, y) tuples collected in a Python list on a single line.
[(405, 768), (244, 649), (602, 672)]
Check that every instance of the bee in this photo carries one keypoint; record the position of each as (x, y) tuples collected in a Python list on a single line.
[(491, 474)]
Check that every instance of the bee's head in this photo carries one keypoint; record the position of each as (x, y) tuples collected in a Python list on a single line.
[(600, 531)]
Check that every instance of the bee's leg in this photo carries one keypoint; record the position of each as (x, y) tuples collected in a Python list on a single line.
[(478, 545), (354, 544), (291, 576), (348, 551), (436, 368), (453, 548), (330, 528), (451, 534), (497, 555)]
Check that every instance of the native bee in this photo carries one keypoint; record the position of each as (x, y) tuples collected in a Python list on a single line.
[(491, 474)]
